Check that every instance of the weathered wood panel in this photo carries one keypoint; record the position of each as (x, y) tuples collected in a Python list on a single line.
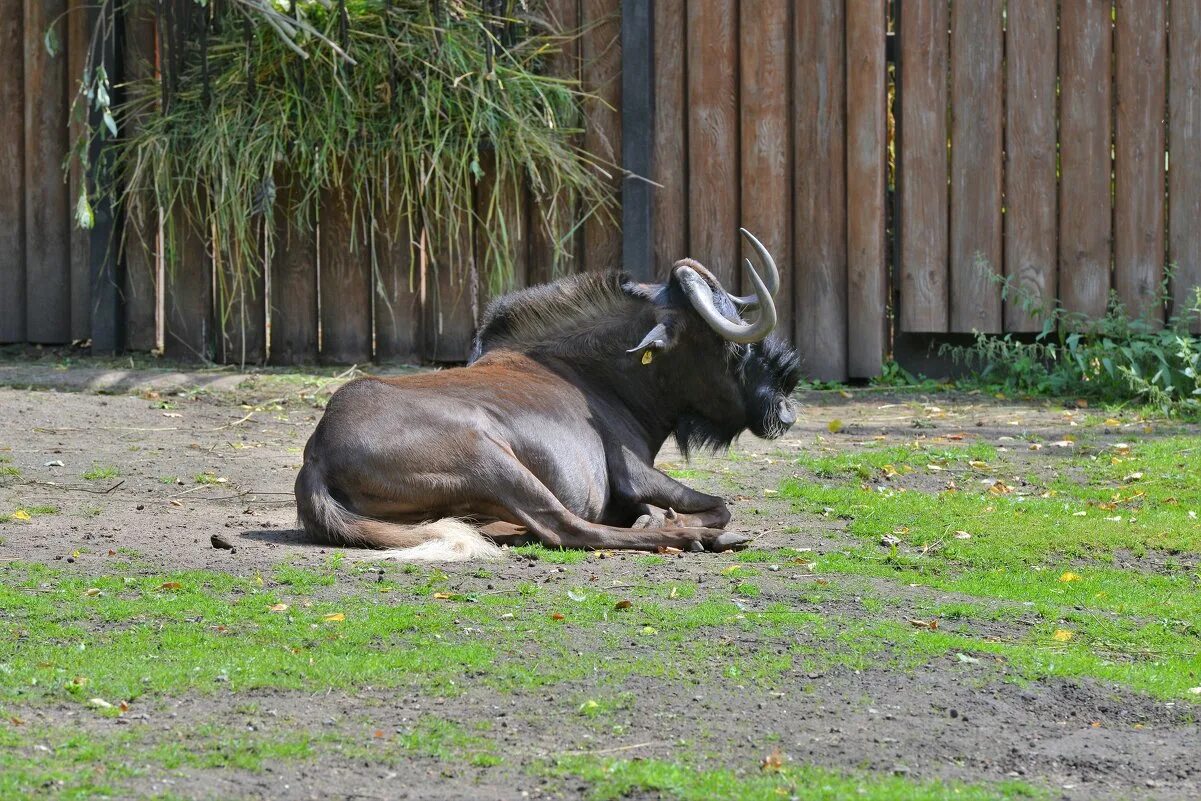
[(140, 239), (713, 171), (293, 280), (12, 174), (600, 53), (1085, 50), (448, 298), (554, 250), (1030, 170), (397, 295), (344, 283), (766, 140), (670, 159), (188, 327), (867, 146), (78, 34), (47, 208), (1138, 213), (500, 232), (922, 167), (239, 303), (976, 120), (1184, 143), (820, 255)]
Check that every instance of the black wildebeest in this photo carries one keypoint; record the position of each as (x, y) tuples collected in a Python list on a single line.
[(552, 430)]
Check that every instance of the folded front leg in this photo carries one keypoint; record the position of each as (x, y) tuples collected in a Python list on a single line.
[(654, 498)]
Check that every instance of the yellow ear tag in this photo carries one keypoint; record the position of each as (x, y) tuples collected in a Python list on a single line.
[(647, 356)]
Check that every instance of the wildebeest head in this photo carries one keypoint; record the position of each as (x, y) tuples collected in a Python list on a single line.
[(708, 371), (699, 323)]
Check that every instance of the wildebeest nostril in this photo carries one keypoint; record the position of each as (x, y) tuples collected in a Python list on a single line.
[(787, 415)]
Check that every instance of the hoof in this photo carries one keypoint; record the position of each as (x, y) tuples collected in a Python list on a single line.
[(695, 546), (730, 541)]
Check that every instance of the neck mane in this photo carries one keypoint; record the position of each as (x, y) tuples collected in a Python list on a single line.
[(585, 316)]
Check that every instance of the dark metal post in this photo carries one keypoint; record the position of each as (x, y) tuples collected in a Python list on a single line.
[(637, 135), (108, 318)]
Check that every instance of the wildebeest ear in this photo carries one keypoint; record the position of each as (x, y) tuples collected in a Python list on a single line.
[(656, 340)]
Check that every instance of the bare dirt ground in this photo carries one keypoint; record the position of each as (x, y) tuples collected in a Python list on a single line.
[(941, 721)]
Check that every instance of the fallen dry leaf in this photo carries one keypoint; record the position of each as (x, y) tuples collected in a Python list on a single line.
[(834, 426), (1061, 635), (773, 762), (123, 706), (280, 607), (170, 585), (557, 616), (443, 596), (622, 605), (334, 617), (92, 592), (20, 514), (1070, 576), (962, 535), (1000, 488), (932, 625)]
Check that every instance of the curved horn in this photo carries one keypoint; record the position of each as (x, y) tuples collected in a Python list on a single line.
[(773, 275), (701, 297)]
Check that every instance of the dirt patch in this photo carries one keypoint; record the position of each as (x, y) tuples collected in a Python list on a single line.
[(168, 471), (1082, 740)]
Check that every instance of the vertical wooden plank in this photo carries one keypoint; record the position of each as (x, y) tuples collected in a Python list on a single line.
[(78, 34), (344, 264), (240, 303), (867, 284), (500, 232), (104, 270), (141, 242), (1030, 169), (670, 160), (12, 174), (1138, 214), (553, 252), (293, 266), (1184, 142), (713, 201), (637, 136), (976, 103), (449, 302), (47, 215), (397, 299), (922, 167), (600, 53), (766, 146), (188, 333), (1085, 48), (820, 241)]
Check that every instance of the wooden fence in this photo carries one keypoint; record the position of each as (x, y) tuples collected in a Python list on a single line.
[(1057, 144)]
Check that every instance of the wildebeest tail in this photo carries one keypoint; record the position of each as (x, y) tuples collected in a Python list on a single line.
[(327, 520)]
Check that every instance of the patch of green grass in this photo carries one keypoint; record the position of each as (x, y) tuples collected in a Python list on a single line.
[(7, 470), (168, 479), (100, 472), (650, 560), (618, 778), (31, 511), (685, 473), (869, 461), (747, 590), (554, 556), (302, 580), (75, 764), (208, 477)]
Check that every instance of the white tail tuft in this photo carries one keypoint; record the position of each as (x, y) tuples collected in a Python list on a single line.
[(449, 540)]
